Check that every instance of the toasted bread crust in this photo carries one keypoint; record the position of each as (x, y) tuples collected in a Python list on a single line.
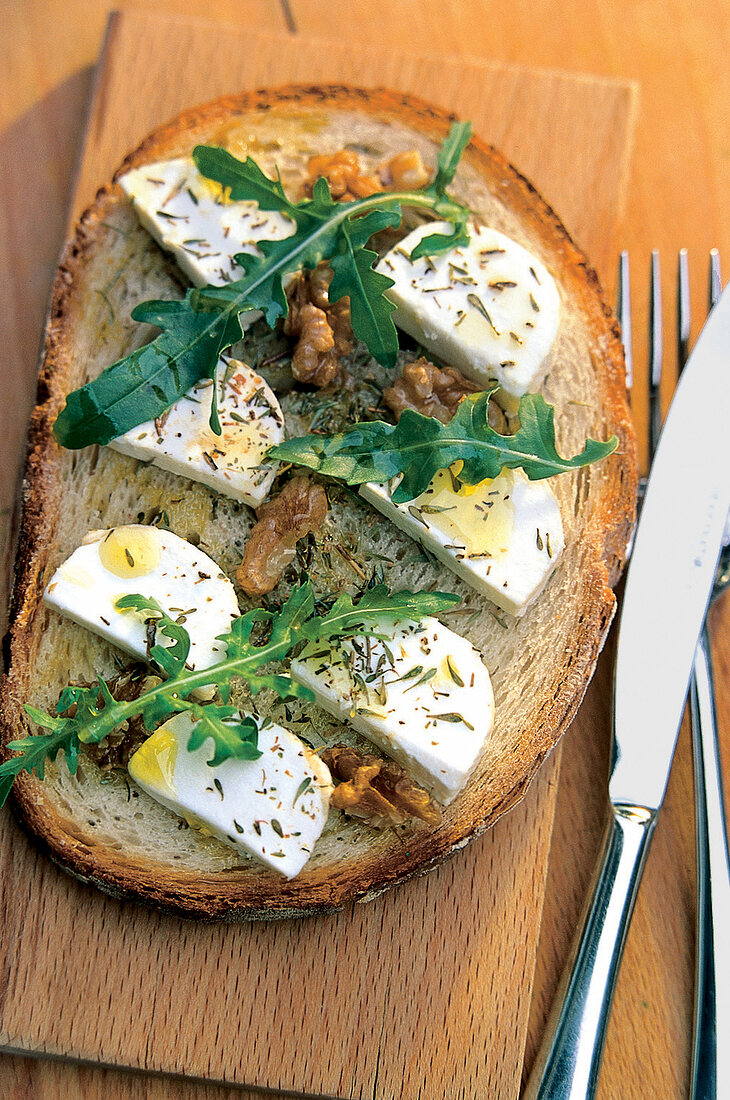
[(249, 892)]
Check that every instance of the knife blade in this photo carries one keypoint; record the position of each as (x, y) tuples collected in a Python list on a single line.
[(668, 587), (672, 569)]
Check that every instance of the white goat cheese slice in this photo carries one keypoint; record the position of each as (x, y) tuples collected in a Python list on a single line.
[(273, 808), (232, 463), (422, 695), (502, 536), (184, 581), (189, 216), (489, 308)]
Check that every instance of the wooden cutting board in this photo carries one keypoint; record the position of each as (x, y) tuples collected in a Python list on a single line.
[(426, 991)]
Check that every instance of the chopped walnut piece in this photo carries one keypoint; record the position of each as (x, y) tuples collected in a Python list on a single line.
[(435, 391), (428, 389), (300, 507), (322, 327), (343, 174), (379, 791), (405, 170)]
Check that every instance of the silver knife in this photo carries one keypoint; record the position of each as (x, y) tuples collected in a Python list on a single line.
[(668, 587)]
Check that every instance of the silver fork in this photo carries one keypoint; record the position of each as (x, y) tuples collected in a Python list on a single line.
[(710, 1059)]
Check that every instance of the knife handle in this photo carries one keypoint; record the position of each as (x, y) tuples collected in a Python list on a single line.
[(567, 1064), (711, 1054)]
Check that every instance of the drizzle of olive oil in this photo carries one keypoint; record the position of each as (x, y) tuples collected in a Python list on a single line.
[(74, 574), (154, 761), (197, 823), (248, 137), (214, 190), (132, 551), (478, 517)]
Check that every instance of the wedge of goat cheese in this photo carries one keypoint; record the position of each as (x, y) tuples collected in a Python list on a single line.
[(418, 691), (502, 536), (489, 308), (185, 582), (273, 808), (191, 217), (232, 463)]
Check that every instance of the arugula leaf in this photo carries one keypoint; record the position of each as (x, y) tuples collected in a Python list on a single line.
[(347, 618), (448, 160), (202, 325), (418, 446), (441, 242), (37, 749), (171, 659), (285, 632), (97, 713), (353, 275), (318, 222), (449, 155), (324, 228), (232, 736), (142, 385), (244, 180)]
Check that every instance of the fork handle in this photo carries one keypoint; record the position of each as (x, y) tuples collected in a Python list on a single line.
[(567, 1065), (710, 1058)]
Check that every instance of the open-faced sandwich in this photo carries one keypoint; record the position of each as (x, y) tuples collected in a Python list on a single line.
[(314, 572)]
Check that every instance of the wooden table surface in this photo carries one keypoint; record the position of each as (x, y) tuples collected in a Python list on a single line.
[(677, 51)]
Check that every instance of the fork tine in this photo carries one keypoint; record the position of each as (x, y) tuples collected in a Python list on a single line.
[(715, 277), (684, 318), (624, 315), (656, 352)]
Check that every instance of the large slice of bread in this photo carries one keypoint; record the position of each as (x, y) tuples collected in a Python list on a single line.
[(114, 836)]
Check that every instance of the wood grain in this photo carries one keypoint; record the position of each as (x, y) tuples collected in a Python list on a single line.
[(46, 1079), (427, 988), (424, 987)]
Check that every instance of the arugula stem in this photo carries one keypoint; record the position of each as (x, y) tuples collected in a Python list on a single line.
[(288, 263), (246, 666), (295, 622), (196, 330), (181, 687)]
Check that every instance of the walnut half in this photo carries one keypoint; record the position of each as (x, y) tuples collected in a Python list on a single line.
[(379, 791), (300, 507), (435, 391), (322, 328)]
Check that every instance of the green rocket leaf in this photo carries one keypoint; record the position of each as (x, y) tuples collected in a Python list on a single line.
[(202, 325), (418, 446), (96, 713)]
